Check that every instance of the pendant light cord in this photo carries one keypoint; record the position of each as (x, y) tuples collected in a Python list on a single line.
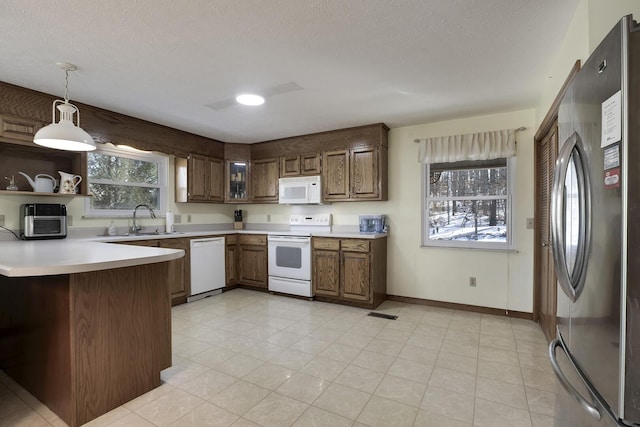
[(66, 86)]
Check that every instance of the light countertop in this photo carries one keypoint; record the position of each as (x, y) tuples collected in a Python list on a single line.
[(65, 256), (21, 258)]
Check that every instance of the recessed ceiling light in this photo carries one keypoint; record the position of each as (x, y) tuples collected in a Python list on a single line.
[(249, 99)]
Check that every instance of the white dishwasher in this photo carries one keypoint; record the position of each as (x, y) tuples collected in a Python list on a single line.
[(207, 267)]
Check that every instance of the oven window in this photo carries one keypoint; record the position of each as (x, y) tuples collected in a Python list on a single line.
[(288, 257), (46, 226)]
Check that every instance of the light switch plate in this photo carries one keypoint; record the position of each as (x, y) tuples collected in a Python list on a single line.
[(531, 223), (177, 219), (69, 220)]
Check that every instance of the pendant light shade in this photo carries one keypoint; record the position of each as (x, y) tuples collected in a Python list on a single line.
[(65, 135)]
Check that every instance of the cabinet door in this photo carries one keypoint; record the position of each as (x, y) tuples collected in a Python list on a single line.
[(326, 273), (18, 128), (237, 184), (265, 174), (355, 276), (231, 264), (364, 174), (197, 178), (253, 265), (178, 280), (335, 175), (215, 189), (310, 164), (290, 166)]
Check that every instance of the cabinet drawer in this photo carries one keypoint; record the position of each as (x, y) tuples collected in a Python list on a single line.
[(355, 245), (326, 243), (253, 239), (230, 239)]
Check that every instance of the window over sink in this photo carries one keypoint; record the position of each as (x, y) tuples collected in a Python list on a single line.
[(467, 204), (121, 178)]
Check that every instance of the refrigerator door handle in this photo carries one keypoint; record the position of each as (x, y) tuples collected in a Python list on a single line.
[(572, 154), (592, 410)]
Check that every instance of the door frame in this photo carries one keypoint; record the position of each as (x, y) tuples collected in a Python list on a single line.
[(543, 130)]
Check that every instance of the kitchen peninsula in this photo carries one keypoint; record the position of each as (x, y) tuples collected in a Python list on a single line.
[(84, 326)]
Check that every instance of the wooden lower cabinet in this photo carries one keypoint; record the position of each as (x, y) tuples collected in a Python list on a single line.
[(252, 260), (179, 270), (350, 271), (231, 260)]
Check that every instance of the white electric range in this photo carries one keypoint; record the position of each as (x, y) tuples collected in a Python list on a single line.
[(290, 254)]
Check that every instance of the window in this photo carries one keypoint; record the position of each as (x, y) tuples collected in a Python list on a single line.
[(468, 204), (119, 179)]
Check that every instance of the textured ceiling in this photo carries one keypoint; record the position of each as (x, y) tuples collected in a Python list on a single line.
[(400, 62)]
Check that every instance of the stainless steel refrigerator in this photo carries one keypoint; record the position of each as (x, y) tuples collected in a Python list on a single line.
[(595, 218)]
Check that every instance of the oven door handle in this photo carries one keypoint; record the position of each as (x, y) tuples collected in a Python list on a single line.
[(291, 239)]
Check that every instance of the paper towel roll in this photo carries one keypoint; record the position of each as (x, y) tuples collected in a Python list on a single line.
[(170, 220)]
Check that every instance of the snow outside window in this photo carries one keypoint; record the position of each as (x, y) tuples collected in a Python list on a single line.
[(467, 204), (119, 179)]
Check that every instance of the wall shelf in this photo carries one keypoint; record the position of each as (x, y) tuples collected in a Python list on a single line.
[(33, 193)]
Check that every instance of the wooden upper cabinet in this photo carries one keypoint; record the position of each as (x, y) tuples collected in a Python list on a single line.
[(204, 179), (356, 174), (18, 128), (335, 175), (264, 185), (290, 166), (364, 174), (305, 164), (216, 179)]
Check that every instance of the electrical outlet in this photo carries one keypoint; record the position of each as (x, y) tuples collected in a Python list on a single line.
[(177, 219), (2, 220), (268, 217), (69, 220), (472, 281), (531, 223), (188, 218)]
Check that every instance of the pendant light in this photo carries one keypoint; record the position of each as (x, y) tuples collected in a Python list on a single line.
[(64, 135)]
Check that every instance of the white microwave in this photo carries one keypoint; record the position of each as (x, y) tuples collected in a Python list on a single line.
[(304, 190)]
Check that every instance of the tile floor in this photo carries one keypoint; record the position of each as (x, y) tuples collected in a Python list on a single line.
[(247, 358)]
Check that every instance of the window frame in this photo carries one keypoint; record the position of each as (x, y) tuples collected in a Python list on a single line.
[(509, 245), (161, 160)]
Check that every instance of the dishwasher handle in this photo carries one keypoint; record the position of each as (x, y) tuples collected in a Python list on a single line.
[(198, 243)]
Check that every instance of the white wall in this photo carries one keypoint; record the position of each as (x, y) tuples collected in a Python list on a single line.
[(592, 21)]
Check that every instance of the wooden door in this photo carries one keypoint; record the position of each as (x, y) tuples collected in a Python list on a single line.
[(310, 164), (547, 285), (197, 178), (364, 174), (231, 261), (265, 176), (253, 265), (326, 273), (215, 175), (335, 174), (290, 166), (178, 282), (355, 276)]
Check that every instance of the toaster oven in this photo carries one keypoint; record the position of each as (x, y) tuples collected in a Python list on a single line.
[(43, 221)]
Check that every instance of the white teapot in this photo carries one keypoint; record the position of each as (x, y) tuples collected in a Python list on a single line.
[(68, 182)]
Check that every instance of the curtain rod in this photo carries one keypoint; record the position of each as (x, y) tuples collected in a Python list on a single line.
[(520, 129)]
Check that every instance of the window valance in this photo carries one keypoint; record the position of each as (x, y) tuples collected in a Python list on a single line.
[(471, 146)]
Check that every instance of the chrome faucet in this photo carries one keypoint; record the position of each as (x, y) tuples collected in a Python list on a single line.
[(135, 227)]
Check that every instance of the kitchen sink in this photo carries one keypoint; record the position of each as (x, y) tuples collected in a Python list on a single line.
[(157, 233)]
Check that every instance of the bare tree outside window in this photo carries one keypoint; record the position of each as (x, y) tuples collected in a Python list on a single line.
[(468, 202)]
